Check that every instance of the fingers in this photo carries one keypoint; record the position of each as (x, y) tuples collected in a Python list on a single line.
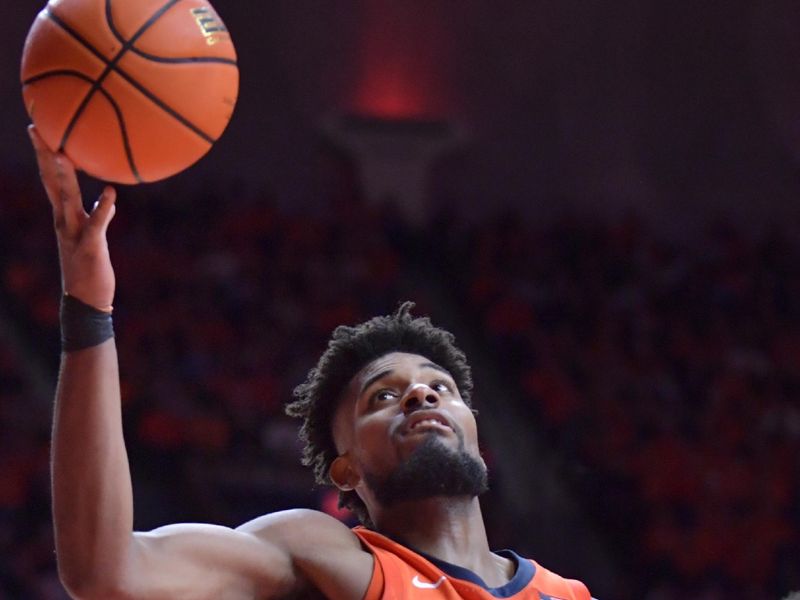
[(60, 183), (104, 210), (69, 194), (47, 168)]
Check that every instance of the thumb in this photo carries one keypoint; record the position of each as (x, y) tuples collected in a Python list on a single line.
[(104, 210)]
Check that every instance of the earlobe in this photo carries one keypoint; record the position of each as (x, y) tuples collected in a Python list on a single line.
[(342, 473)]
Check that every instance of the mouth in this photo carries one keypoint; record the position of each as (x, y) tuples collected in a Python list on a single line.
[(419, 423)]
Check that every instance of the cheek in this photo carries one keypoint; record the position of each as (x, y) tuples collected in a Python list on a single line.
[(373, 445), (470, 429)]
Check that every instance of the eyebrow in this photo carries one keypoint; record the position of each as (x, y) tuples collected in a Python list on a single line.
[(373, 379), (433, 365), (386, 372)]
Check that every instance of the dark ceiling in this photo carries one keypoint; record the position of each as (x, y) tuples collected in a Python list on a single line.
[(673, 106)]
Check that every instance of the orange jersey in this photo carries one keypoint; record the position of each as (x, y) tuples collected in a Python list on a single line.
[(400, 573)]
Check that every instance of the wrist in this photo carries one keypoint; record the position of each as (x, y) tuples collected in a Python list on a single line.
[(82, 325), (91, 298)]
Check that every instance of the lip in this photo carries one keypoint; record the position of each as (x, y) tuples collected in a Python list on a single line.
[(426, 415)]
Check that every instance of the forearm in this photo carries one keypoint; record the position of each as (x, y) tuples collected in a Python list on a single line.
[(92, 498)]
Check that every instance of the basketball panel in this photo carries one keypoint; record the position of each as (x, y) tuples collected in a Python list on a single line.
[(52, 102), (175, 149), (127, 17), (88, 20), (48, 47), (189, 29), (203, 93), (96, 144)]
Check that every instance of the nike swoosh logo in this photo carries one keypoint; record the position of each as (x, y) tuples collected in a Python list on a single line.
[(424, 585)]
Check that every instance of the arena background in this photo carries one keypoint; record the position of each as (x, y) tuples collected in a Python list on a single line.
[(613, 240)]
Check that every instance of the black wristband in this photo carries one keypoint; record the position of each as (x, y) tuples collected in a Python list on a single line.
[(83, 326)]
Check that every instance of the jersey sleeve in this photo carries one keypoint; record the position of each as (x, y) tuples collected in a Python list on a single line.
[(579, 590), (378, 581)]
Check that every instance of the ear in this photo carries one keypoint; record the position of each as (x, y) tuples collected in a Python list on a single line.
[(342, 473)]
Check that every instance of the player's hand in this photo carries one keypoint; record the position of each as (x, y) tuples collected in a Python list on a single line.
[(86, 271)]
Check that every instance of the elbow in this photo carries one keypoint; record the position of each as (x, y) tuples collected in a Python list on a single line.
[(94, 574), (91, 587)]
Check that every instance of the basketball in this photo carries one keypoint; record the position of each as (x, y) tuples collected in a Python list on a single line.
[(131, 91)]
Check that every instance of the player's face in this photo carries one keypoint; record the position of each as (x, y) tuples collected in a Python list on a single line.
[(392, 407)]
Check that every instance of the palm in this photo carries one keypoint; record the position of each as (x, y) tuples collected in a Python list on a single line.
[(86, 267)]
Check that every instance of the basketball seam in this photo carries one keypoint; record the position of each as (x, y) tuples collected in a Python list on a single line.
[(55, 72), (161, 59), (144, 91), (110, 67), (124, 131), (109, 97), (187, 59)]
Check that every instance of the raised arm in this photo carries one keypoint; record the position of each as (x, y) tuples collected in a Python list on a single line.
[(99, 555), (92, 505)]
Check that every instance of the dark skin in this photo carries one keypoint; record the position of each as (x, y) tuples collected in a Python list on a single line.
[(296, 553)]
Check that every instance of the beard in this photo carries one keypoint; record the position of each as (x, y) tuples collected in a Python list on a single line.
[(431, 470)]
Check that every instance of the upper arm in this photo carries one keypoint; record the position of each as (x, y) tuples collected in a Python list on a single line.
[(268, 557), (205, 561)]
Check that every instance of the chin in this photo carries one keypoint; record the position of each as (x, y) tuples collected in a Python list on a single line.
[(432, 468)]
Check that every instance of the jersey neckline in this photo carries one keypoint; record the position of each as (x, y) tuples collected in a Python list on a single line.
[(523, 573)]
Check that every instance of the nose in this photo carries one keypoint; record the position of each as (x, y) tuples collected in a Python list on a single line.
[(419, 396)]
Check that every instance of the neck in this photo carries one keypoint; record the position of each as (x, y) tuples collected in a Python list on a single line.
[(450, 529)]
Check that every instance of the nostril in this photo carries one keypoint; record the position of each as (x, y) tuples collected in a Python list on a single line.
[(420, 395), (411, 400)]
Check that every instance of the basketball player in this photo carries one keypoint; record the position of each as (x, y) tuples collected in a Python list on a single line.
[(386, 419)]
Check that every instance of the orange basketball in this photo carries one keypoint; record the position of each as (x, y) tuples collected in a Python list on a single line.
[(130, 90)]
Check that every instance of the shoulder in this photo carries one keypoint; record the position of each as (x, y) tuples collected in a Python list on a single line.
[(301, 531), (579, 589), (552, 583), (297, 521), (323, 551)]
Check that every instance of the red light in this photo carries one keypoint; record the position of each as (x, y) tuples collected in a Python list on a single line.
[(388, 95), (403, 61)]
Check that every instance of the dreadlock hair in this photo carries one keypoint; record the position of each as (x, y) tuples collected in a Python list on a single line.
[(349, 350)]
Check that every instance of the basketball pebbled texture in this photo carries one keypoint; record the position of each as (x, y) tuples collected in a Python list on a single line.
[(131, 91)]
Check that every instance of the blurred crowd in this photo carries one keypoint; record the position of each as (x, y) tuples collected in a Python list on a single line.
[(664, 374), (667, 376)]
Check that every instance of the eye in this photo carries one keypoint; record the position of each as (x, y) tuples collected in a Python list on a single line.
[(440, 386), (384, 395)]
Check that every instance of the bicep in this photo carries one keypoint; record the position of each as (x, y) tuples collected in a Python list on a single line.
[(206, 561)]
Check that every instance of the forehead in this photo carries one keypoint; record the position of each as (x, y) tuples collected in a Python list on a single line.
[(394, 362)]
